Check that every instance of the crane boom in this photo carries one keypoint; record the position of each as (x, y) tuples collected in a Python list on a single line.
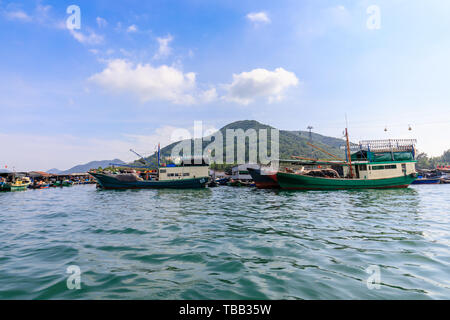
[(143, 159)]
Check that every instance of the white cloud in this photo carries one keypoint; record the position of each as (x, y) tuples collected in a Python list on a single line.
[(260, 83), (339, 15), (164, 49), (149, 83), (17, 15), (91, 38), (208, 95), (101, 22), (258, 17), (40, 15), (132, 28), (326, 20)]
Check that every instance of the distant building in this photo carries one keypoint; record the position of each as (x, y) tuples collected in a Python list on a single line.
[(240, 172)]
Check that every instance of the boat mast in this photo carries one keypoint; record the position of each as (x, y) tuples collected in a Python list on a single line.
[(349, 157), (159, 155)]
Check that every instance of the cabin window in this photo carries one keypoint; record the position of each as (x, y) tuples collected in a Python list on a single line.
[(162, 171), (186, 174), (363, 167), (391, 166), (243, 172)]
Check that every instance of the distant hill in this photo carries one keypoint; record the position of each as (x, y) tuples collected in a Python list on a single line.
[(90, 165), (292, 143), (4, 171)]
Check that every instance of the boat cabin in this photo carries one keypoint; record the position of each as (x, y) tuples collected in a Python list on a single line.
[(368, 170), (382, 159), (186, 170)]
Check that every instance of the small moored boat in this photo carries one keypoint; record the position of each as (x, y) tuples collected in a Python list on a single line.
[(421, 180), (20, 184)]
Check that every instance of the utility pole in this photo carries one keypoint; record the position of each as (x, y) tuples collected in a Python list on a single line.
[(310, 133)]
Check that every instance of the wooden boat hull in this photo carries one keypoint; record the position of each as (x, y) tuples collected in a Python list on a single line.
[(110, 182), (293, 181), (264, 181)]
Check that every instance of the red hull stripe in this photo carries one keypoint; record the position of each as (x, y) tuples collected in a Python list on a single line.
[(323, 189)]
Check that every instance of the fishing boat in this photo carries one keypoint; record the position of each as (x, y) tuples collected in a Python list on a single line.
[(67, 183), (375, 164), (20, 184), (56, 183), (429, 177), (264, 179), (222, 181), (187, 175), (40, 185), (445, 179), (421, 180), (4, 186), (133, 181)]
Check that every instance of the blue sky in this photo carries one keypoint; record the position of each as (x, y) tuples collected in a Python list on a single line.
[(136, 70)]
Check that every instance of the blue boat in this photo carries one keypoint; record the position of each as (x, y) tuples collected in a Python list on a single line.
[(421, 180)]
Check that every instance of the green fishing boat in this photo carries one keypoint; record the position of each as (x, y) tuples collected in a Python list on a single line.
[(67, 183), (376, 164)]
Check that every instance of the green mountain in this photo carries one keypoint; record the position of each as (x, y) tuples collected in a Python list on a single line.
[(292, 143)]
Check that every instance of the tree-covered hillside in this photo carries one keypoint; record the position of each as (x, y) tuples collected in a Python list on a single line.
[(292, 143)]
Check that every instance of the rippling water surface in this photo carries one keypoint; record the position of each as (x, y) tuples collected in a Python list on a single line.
[(225, 243)]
